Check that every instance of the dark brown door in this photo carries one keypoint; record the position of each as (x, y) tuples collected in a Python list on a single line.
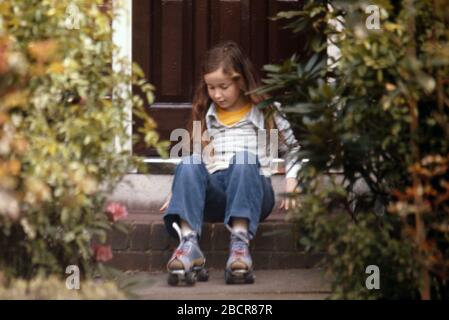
[(170, 37)]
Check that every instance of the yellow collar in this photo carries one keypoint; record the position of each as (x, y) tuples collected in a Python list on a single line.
[(230, 117)]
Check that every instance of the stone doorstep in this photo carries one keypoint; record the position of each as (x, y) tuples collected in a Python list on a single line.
[(146, 193), (148, 216)]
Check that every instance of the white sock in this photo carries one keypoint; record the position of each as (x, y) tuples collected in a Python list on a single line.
[(240, 225), (185, 228)]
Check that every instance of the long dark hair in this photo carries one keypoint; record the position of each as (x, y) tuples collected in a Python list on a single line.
[(230, 57)]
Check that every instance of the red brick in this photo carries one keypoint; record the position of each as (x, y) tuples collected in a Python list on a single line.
[(264, 241), (160, 239), (216, 259), (130, 261), (158, 260), (118, 240), (285, 240), (206, 237), (140, 237), (220, 237)]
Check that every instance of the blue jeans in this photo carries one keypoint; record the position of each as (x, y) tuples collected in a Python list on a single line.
[(239, 191)]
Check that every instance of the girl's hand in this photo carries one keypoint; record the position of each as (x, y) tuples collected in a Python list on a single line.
[(165, 205), (290, 186)]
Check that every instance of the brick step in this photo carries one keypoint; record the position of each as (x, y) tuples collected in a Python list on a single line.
[(148, 246), (156, 261)]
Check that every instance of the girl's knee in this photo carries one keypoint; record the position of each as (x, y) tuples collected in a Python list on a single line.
[(244, 157), (191, 165), (192, 159)]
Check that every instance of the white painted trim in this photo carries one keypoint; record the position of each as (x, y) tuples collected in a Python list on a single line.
[(160, 160), (122, 38)]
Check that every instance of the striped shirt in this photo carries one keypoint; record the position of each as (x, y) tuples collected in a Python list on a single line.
[(249, 134)]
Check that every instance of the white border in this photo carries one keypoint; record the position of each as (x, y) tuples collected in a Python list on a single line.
[(122, 38)]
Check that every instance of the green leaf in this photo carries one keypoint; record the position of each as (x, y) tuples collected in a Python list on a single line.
[(311, 62), (272, 68)]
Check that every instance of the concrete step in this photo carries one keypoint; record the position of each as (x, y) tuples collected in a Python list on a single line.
[(148, 246), (290, 284)]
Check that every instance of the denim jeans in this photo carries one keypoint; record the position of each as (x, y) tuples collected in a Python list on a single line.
[(239, 191)]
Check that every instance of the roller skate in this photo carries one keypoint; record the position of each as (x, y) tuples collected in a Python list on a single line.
[(187, 262), (239, 267)]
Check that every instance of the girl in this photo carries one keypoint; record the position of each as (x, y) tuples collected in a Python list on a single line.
[(225, 187)]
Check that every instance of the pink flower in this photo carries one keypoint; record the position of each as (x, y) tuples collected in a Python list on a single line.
[(116, 211), (102, 253)]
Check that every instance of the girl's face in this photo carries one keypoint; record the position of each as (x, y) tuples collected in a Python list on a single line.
[(224, 90)]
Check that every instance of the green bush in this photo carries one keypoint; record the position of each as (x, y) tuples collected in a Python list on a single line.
[(351, 247), (373, 126), (62, 115), (53, 288)]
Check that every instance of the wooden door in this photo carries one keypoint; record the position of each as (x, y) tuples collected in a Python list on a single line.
[(170, 36)]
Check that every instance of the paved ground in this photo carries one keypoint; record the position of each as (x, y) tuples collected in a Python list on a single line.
[(292, 284)]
